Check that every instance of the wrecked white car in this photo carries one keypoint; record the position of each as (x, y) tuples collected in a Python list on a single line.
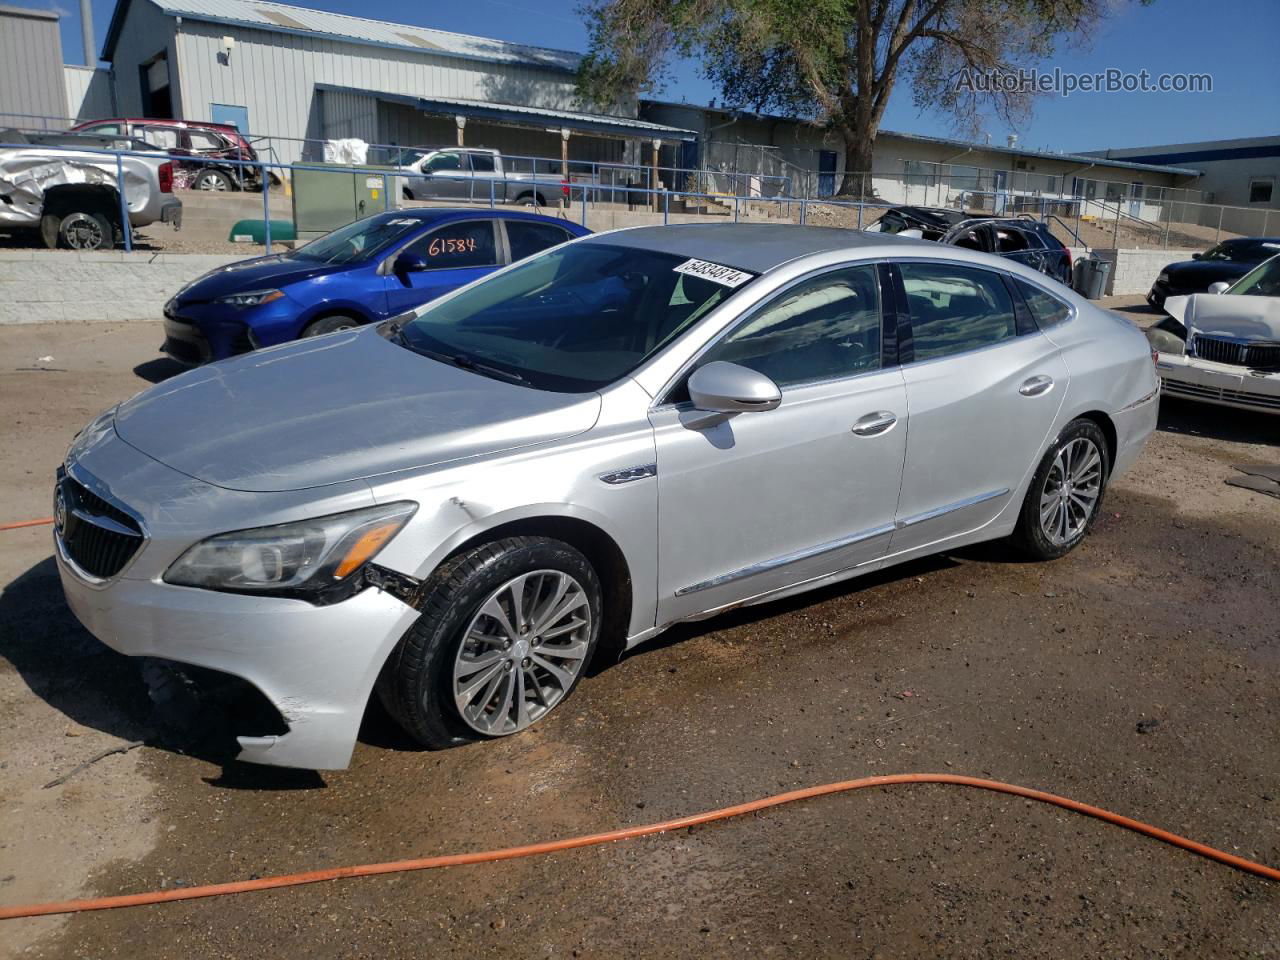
[(1223, 346), (66, 187)]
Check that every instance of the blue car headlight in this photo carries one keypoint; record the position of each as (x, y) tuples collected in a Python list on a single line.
[(250, 298)]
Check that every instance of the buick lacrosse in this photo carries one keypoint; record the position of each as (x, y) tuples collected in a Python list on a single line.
[(459, 507)]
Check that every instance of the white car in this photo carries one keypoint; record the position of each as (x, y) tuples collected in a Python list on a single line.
[(1223, 346)]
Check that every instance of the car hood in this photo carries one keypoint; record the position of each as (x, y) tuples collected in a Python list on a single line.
[(1201, 273), (1227, 315), (336, 408), (255, 274)]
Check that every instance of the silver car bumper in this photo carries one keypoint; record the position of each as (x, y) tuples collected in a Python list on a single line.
[(316, 665), (1223, 384)]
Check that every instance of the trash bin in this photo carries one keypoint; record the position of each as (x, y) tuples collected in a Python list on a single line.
[(1090, 279)]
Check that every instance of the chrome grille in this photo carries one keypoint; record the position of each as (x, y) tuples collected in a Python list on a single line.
[(1257, 356), (97, 536)]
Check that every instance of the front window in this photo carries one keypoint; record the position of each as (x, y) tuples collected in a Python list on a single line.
[(444, 162), (1227, 250), (1261, 281), (573, 319), (359, 240), (469, 243)]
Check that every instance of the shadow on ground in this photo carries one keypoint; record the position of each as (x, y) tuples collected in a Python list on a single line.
[(158, 370), (1194, 419)]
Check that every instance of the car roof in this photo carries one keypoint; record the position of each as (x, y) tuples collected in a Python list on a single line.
[(757, 247), (433, 214)]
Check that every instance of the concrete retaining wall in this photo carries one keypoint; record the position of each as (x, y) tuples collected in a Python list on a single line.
[(1133, 271), (50, 286)]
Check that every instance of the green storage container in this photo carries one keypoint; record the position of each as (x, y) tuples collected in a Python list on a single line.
[(255, 231)]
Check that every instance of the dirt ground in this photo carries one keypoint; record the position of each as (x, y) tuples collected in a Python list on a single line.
[(1139, 674)]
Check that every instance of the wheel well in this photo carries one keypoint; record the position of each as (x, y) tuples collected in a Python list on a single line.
[(1108, 431), (83, 198), (604, 555), (339, 312)]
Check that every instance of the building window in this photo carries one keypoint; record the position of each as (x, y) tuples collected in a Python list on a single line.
[(1260, 191)]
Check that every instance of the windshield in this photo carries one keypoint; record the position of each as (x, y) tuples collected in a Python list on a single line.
[(574, 319), (1261, 281), (358, 241), (1227, 250)]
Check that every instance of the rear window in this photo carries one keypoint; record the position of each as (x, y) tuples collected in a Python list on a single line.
[(1048, 310)]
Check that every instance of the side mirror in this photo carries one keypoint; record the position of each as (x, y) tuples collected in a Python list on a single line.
[(1196, 256), (1219, 286), (408, 263), (722, 387)]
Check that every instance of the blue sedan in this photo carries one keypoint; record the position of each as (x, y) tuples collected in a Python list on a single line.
[(366, 271)]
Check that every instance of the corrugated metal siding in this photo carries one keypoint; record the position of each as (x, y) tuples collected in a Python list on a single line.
[(146, 32), (274, 75), (30, 69), (89, 94), (348, 115)]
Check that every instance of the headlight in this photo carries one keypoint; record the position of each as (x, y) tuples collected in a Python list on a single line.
[(1163, 278), (253, 298), (304, 557), (1166, 342)]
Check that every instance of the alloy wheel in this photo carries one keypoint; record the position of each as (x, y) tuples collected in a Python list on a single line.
[(1071, 491), (522, 652), (82, 232)]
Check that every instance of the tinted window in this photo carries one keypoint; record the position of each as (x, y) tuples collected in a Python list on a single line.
[(822, 328), (482, 162), (527, 238), (1257, 252), (1048, 310), (467, 244), (575, 318), (1011, 240), (444, 161), (955, 308)]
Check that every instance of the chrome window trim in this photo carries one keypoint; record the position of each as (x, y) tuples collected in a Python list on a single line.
[(99, 489), (786, 559), (662, 402)]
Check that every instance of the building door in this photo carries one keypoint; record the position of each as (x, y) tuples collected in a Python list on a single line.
[(1001, 193), (1135, 199), (153, 78), (826, 173), (237, 116)]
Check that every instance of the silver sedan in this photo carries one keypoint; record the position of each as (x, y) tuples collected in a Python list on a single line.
[(459, 508)]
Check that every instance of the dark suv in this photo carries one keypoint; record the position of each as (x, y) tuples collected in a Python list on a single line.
[(185, 138), (1018, 238)]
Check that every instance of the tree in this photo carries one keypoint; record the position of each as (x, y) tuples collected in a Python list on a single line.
[(834, 62)]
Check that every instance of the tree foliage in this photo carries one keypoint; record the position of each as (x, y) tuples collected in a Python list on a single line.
[(833, 62)]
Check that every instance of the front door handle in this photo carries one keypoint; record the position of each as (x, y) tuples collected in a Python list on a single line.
[(874, 424), (1036, 386)]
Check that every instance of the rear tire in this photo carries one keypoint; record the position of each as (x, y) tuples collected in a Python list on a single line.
[(334, 324), (77, 230), (530, 200), (454, 645), (214, 181), (1066, 492)]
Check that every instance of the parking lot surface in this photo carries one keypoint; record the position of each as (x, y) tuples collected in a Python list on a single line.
[(1139, 673)]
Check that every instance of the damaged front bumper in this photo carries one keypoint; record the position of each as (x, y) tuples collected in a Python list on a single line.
[(1193, 378), (315, 665)]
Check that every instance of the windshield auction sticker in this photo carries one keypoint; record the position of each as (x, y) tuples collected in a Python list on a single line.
[(716, 273)]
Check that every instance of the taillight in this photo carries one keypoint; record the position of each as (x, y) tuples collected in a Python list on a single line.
[(166, 177), (564, 187)]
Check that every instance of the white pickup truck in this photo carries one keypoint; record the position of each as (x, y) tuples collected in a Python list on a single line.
[(469, 173), (65, 187)]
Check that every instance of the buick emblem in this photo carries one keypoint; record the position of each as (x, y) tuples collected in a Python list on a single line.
[(59, 511)]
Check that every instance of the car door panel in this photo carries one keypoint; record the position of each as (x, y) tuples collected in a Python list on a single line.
[(752, 503), (979, 420), (457, 264), (761, 501)]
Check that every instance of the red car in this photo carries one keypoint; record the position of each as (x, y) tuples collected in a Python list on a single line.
[(187, 138)]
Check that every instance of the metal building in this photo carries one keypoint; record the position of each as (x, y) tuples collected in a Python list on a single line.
[(309, 75), (31, 81)]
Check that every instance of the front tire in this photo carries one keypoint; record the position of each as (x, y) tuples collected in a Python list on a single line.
[(1066, 492), (506, 632), (334, 324)]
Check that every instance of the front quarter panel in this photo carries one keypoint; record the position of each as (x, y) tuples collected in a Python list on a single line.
[(465, 502)]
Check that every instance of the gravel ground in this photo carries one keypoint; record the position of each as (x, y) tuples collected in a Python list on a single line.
[(1041, 674)]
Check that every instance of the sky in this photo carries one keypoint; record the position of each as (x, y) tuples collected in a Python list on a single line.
[(1232, 40)]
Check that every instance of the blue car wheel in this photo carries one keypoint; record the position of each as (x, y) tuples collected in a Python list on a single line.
[(317, 328)]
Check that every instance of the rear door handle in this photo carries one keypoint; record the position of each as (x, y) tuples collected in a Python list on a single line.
[(874, 424), (1036, 386)]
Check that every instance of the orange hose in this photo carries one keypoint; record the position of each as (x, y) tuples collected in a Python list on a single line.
[(627, 833), (43, 521)]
